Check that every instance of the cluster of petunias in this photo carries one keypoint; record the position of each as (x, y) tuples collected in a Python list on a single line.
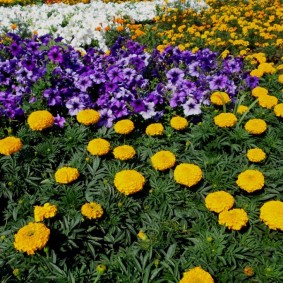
[(83, 20), (31, 237), (120, 81)]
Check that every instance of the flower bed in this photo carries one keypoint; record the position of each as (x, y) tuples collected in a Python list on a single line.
[(138, 164)]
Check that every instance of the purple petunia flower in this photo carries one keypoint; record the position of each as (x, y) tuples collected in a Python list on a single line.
[(59, 121), (138, 105), (191, 107), (55, 55), (175, 75), (74, 105), (218, 82)]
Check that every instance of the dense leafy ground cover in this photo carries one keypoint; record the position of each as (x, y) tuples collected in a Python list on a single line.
[(198, 179)]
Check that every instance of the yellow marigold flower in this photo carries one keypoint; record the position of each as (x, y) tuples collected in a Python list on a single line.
[(250, 180), (31, 237), (248, 270), (142, 235), (256, 126), (163, 160), (179, 123), (225, 120), (256, 155), (196, 274), (256, 73), (258, 91), (280, 79), (219, 201), (187, 174), (88, 117), (124, 152), (233, 219), (92, 210), (267, 101), (66, 175), (267, 68), (154, 129), (10, 145), (46, 211), (40, 120), (271, 213), (219, 98), (278, 110), (124, 127), (242, 109), (129, 181), (98, 147)]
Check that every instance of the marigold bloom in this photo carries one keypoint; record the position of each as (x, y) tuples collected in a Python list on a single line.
[(124, 152), (278, 110), (187, 174), (92, 210), (40, 120), (256, 73), (196, 274), (280, 79), (179, 123), (129, 181), (256, 155), (66, 175), (88, 117), (142, 236), (256, 126), (225, 120), (250, 180), (46, 211), (98, 147), (10, 145), (267, 101), (242, 109), (267, 68), (154, 129), (271, 213), (163, 160), (259, 91), (234, 219), (248, 270), (124, 127), (31, 237), (219, 201), (219, 98)]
